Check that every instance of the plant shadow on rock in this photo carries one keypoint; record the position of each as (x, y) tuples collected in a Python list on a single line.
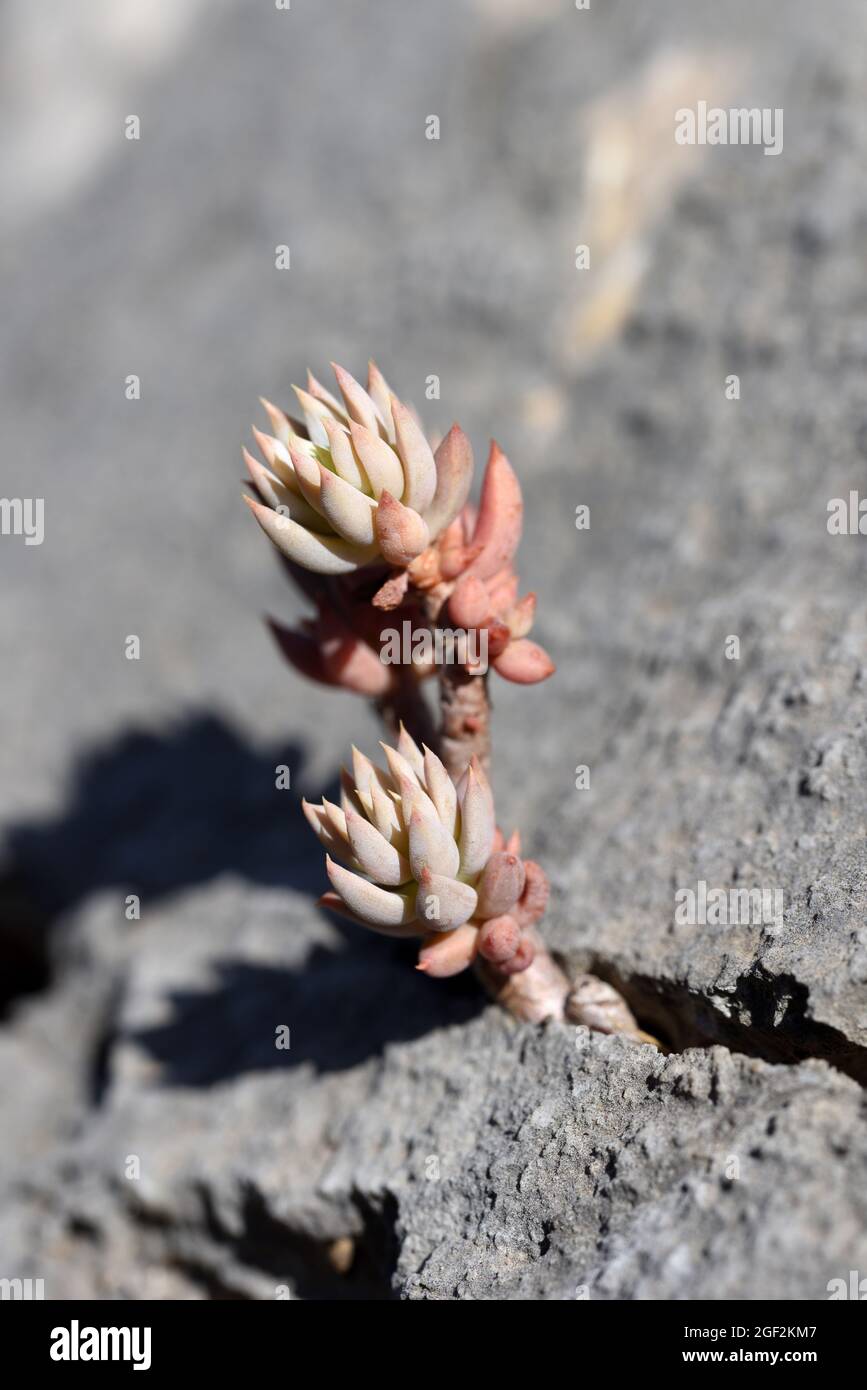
[(341, 1008), (154, 814)]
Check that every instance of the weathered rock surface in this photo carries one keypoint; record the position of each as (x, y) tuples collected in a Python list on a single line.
[(157, 1141)]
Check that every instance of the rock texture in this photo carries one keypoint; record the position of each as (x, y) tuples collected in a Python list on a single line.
[(409, 1141)]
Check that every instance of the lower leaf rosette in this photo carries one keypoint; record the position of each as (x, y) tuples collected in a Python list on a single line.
[(410, 854)]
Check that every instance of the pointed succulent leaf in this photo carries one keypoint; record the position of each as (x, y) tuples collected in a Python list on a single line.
[(346, 465), (335, 903), (278, 419), (385, 864), (314, 413), (379, 461), (380, 393), (443, 903), (448, 953), (477, 826), (441, 790), (501, 510), (416, 457), (359, 406), (409, 750), (432, 847), (330, 401), (349, 511), (401, 532), (454, 468), (320, 553), (374, 905)]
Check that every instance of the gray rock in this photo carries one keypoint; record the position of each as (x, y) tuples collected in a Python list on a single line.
[(161, 1144)]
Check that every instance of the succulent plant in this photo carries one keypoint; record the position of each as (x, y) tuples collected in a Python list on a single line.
[(376, 529), (357, 482), (410, 854)]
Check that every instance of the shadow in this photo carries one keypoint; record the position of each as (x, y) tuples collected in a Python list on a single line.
[(153, 814), (150, 814), (341, 1008)]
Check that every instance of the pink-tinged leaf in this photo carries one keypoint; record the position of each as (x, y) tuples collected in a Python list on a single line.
[(391, 592), (330, 837), (524, 662), (380, 463), (499, 939), (349, 511), (441, 790), (431, 847), (314, 413), (499, 638), (409, 749), (469, 605), (343, 456), (477, 824), (503, 589), (334, 903), (443, 903), (534, 899), (275, 494), (417, 459), (343, 661), (521, 960), (501, 510), (352, 665), (379, 908), (454, 468), (359, 406), (401, 532), (379, 859), (277, 457), (380, 393), (278, 420), (321, 393), (501, 884), (445, 954)]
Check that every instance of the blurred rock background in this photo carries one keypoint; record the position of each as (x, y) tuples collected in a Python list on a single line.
[(412, 1142)]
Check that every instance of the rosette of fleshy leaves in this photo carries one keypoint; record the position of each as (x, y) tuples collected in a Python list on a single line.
[(410, 854), (355, 481), (359, 550)]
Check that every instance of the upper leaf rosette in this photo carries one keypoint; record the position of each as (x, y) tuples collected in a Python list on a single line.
[(354, 482)]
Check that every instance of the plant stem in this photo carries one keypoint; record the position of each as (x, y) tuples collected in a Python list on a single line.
[(465, 709), (536, 994), (408, 706), (542, 991)]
